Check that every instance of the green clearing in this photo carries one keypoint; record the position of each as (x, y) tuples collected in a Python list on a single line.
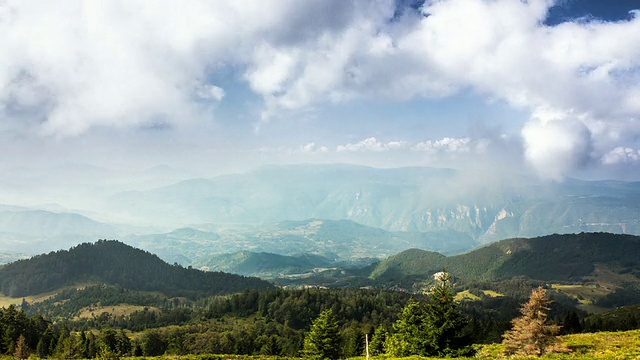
[(585, 294), (115, 310), (492, 293), (466, 295), (6, 301)]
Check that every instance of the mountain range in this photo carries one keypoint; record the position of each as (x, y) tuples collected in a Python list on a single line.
[(340, 212), (335, 240), (403, 199)]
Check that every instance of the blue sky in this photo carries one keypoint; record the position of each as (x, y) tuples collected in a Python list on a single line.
[(550, 88)]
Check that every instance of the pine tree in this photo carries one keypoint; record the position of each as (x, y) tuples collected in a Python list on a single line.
[(444, 322), (409, 335), (531, 335), (377, 340), (432, 329), (323, 341), (22, 349)]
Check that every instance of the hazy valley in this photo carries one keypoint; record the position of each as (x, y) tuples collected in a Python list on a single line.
[(341, 212)]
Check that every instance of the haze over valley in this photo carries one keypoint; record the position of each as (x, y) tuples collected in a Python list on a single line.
[(348, 215)]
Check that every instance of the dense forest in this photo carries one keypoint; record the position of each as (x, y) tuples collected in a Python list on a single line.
[(270, 322), (113, 262), (138, 305)]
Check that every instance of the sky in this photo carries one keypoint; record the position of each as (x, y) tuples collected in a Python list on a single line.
[(542, 87)]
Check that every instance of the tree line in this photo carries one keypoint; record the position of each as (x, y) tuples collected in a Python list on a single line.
[(269, 322)]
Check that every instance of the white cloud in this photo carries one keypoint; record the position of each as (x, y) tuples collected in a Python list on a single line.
[(557, 146), (209, 92), (587, 70), (135, 63), (312, 148), (119, 64), (622, 155), (372, 145), (446, 145)]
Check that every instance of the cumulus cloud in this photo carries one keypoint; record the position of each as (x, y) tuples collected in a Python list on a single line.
[(372, 145), (622, 155), (444, 146), (135, 63), (449, 145), (312, 148), (587, 70), (557, 146)]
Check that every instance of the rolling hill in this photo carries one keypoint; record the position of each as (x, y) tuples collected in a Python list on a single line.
[(114, 263), (607, 259)]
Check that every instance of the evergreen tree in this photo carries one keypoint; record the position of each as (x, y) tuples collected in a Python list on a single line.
[(571, 324), (354, 341), (323, 341), (432, 329), (444, 322), (271, 346), (42, 349), (376, 347), (531, 335), (408, 338), (152, 343), (22, 349)]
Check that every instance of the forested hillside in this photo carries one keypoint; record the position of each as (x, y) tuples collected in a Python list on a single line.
[(112, 262), (175, 311), (569, 257)]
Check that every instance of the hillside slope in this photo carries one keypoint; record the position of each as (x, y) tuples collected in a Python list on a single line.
[(605, 257), (113, 262)]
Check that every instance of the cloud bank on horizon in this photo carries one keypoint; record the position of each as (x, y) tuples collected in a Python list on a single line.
[(78, 66)]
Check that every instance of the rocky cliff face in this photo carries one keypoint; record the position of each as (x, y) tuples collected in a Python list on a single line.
[(408, 199)]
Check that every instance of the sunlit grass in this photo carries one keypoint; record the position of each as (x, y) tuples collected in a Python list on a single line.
[(492, 293), (115, 310), (601, 345), (466, 295)]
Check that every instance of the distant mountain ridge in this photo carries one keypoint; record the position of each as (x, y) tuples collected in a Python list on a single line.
[(402, 199), (265, 265), (338, 240), (112, 262), (47, 230), (40, 222)]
